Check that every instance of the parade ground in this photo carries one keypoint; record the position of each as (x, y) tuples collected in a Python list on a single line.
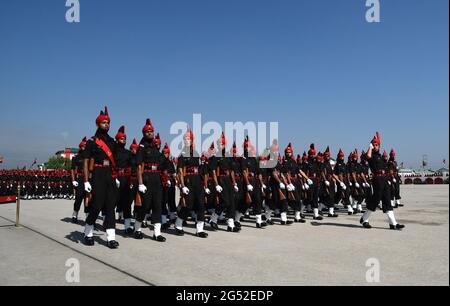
[(329, 252)]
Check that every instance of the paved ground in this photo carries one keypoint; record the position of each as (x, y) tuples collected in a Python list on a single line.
[(330, 252)]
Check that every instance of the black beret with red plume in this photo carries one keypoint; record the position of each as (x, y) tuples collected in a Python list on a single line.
[(148, 126), (134, 145), (312, 150)]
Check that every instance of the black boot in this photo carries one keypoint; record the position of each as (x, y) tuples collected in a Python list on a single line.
[(89, 241), (144, 224), (366, 225), (288, 222), (214, 226), (202, 235), (299, 220), (159, 238), (270, 222), (129, 231), (332, 215), (74, 220), (233, 229), (396, 227), (113, 244), (179, 232), (138, 235), (261, 225), (237, 224), (318, 218)]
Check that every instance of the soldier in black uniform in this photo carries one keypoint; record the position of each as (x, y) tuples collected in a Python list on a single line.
[(356, 188), (292, 173), (239, 200), (134, 181), (101, 149), (312, 170), (193, 185), (395, 180), (365, 177), (278, 183), (169, 207), (221, 169), (331, 182), (343, 192), (78, 181), (381, 192), (125, 197), (152, 176)]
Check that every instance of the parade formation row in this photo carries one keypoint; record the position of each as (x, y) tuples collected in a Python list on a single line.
[(219, 187)]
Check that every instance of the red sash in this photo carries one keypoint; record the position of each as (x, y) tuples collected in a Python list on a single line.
[(108, 153)]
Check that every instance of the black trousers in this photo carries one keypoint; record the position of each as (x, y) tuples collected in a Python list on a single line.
[(195, 200), (342, 195), (80, 194), (152, 199), (296, 204), (313, 194), (226, 200), (329, 194), (381, 192), (395, 190), (281, 204), (125, 197), (256, 196), (168, 203), (104, 197)]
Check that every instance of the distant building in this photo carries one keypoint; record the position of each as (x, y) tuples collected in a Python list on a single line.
[(67, 153), (424, 176)]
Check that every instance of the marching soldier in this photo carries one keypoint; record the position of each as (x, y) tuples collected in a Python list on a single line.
[(331, 182), (221, 169), (312, 170), (291, 173), (78, 180), (169, 207), (124, 162), (395, 180), (152, 176), (101, 149), (379, 167), (354, 173), (193, 186)]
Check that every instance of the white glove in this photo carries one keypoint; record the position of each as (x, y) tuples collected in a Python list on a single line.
[(394, 180), (207, 190), (343, 185), (169, 183), (350, 184), (87, 187), (75, 184), (371, 146), (236, 188), (264, 187), (117, 183), (282, 186), (357, 185), (306, 186), (219, 189), (310, 182), (389, 182), (327, 183), (250, 187), (368, 185), (131, 186), (293, 187), (289, 188), (142, 188), (185, 190)]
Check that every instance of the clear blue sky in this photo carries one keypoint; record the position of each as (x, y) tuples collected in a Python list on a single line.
[(315, 66)]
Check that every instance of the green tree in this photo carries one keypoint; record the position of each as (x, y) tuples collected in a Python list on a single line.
[(58, 163)]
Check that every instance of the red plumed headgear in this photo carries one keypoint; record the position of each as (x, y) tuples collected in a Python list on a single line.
[(376, 139), (103, 116), (121, 132), (148, 126), (134, 145), (166, 149), (312, 150)]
